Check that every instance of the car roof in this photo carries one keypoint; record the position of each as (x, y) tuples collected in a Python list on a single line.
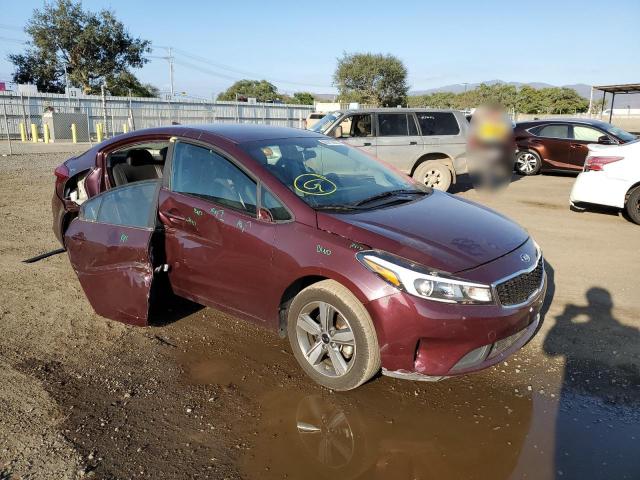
[(240, 133), (234, 132), (396, 110), (585, 121)]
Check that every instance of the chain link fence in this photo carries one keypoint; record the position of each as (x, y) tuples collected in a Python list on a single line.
[(57, 123)]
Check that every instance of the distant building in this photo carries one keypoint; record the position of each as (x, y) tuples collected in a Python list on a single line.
[(27, 89)]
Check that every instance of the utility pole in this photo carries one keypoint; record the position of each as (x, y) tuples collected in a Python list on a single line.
[(170, 59), (104, 108), (132, 122), (66, 85)]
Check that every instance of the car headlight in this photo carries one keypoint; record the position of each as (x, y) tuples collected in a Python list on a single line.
[(422, 282)]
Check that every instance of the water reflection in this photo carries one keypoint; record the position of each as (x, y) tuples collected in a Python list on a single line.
[(362, 435)]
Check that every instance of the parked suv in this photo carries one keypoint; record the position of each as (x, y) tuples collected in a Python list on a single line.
[(429, 145)]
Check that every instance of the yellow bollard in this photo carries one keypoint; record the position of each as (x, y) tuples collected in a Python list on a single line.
[(99, 132), (125, 128), (74, 133), (47, 135), (23, 133), (34, 133)]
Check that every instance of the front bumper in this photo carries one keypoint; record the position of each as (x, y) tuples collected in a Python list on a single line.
[(426, 340)]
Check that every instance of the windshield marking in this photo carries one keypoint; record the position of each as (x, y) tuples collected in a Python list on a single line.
[(314, 184)]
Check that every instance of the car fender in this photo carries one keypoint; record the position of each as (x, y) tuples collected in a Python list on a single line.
[(442, 159)]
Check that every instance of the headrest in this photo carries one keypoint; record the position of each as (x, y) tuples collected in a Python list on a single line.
[(136, 158), (163, 153)]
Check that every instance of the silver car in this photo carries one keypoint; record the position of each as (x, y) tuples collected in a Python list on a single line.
[(428, 144)]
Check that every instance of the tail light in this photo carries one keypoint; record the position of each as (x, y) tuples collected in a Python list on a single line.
[(596, 164), (62, 174)]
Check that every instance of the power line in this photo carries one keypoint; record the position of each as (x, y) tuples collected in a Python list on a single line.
[(4, 26), (231, 69), (13, 40)]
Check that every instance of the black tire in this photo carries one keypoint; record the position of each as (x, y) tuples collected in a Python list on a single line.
[(434, 174), (364, 361), (632, 205), (527, 162)]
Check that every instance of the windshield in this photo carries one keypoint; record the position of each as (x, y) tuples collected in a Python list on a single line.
[(323, 124), (327, 173), (621, 134)]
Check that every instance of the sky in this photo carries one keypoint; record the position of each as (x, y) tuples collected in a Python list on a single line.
[(295, 44)]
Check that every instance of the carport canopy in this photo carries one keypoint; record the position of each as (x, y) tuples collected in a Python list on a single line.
[(613, 90)]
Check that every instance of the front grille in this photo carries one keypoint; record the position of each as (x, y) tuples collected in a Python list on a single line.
[(518, 289)]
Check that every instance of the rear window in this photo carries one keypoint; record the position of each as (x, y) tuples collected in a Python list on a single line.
[(132, 205), (552, 131), (396, 125), (438, 123)]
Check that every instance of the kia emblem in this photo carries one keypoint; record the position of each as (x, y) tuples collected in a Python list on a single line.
[(525, 258)]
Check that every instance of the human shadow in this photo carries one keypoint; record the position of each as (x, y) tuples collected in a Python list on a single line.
[(598, 408), (464, 183)]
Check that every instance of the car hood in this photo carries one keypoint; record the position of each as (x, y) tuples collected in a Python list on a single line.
[(439, 230)]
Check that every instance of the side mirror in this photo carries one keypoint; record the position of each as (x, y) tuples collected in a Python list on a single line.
[(605, 140), (265, 215), (337, 132)]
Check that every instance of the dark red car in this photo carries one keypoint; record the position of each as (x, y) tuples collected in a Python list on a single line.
[(360, 266), (561, 145)]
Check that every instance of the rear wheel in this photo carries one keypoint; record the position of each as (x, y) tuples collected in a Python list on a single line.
[(434, 175), (632, 205), (528, 162), (332, 336)]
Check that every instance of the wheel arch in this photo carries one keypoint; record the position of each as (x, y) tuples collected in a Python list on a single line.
[(629, 190), (289, 294), (306, 280), (440, 156), (529, 148)]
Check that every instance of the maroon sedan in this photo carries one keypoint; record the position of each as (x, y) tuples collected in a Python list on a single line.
[(361, 267), (561, 145)]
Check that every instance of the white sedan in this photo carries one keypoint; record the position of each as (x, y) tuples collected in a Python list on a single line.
[(611, 177)]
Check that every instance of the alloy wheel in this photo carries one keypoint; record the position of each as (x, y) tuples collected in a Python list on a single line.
[(326, 339), (526, 162)]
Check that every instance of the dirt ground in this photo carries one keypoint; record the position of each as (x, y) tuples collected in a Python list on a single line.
[(205, 395)]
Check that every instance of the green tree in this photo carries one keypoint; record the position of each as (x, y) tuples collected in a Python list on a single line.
[(526, 100), (303, 98), (371, 79), (262, 90), (565, 100), (530, 100), (126, 84), (434, 100), (94, 47)]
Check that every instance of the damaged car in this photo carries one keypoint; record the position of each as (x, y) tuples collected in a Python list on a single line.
[(361, 267)]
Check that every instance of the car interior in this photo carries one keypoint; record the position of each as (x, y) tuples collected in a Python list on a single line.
[(135, 163)]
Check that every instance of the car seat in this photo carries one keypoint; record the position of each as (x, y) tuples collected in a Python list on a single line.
[(139, 165)]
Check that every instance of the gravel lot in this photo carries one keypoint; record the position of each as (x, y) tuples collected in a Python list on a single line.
[(204, 395)]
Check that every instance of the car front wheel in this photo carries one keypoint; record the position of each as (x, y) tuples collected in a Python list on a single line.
[(434, 175), (632, 205), (527, 163), (332, 336)]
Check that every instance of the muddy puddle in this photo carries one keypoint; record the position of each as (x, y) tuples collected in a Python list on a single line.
[(488, 425)]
